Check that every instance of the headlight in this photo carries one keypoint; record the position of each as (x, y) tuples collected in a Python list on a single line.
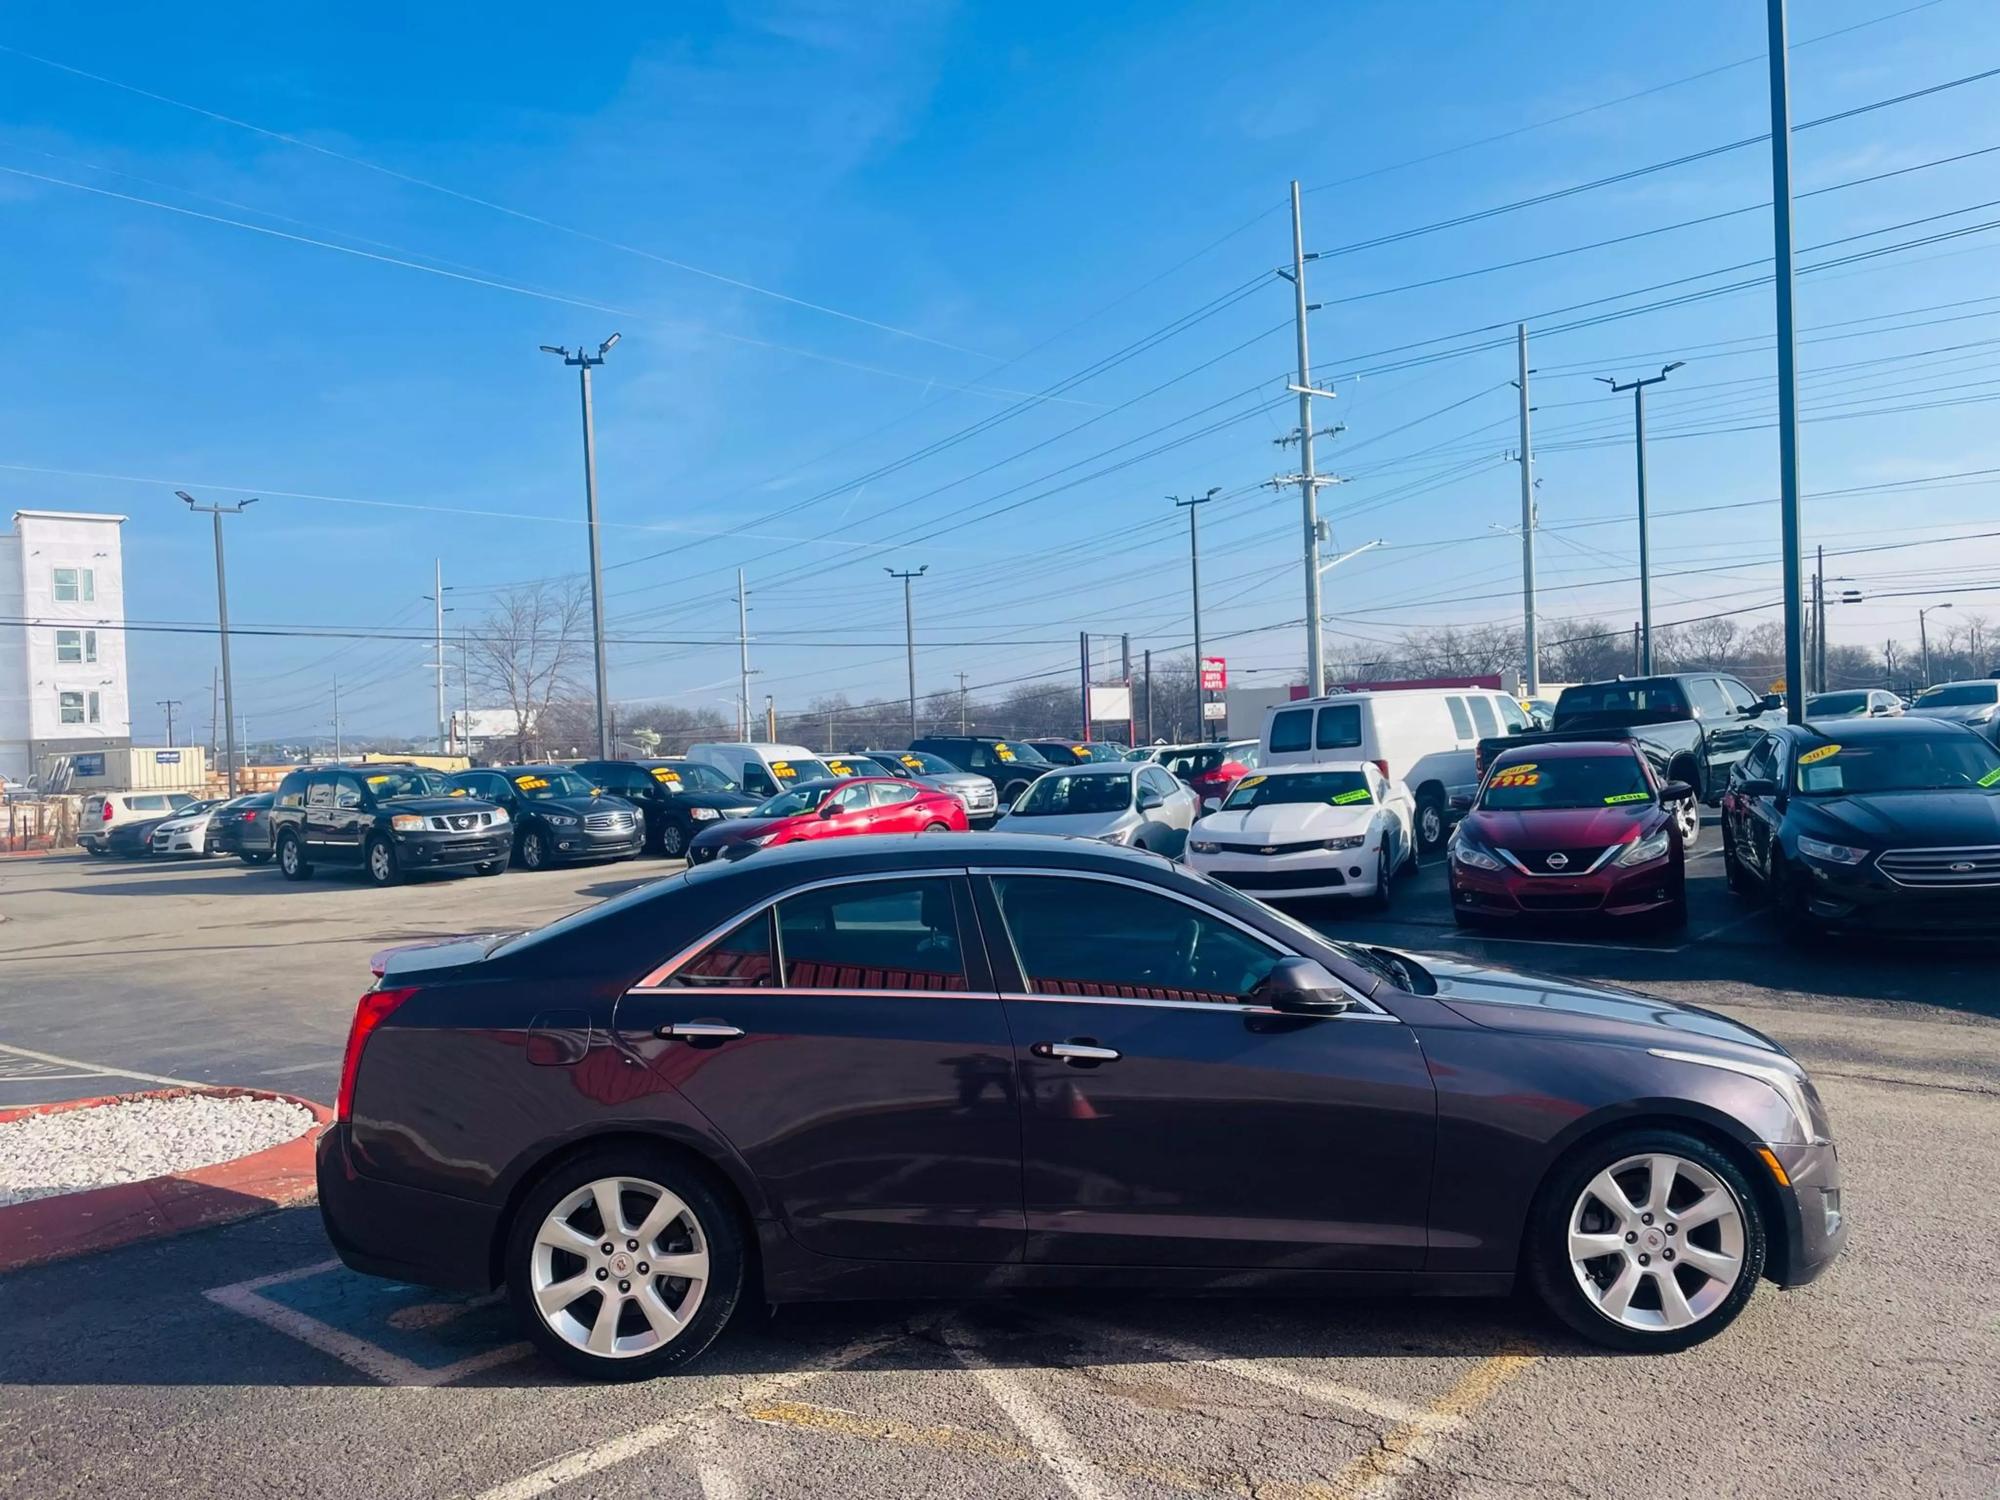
[(1352, 841), (1474, 856), (407, 823), (1833, 854), (1203, 846), (1116, 836), (1644, 850), (561, 820), (1787, 1085), (703, 814), (500, 816), (761, 840)]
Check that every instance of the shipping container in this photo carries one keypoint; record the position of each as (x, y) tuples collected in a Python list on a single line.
[(133, 769)]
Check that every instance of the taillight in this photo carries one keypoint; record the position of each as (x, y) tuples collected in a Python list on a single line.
[(370, 1011), (1383, 767), (107, 812), (250, 815)]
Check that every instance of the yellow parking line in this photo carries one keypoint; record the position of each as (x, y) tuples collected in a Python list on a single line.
[(843, 1423), (1377, 1474)]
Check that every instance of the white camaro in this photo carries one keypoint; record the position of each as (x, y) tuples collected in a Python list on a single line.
[(1339, 828)]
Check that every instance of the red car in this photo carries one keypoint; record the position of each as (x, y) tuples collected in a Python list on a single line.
[(833, 809), (1568, 829), (1212, 771)]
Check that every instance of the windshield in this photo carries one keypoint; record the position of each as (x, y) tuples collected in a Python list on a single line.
[(1902, 763), (406, 783), (800, 768), (1832, 705), (855, 764), (547, 785), (1959, 695), (800, 799), (1335, 788), (692, 776), (1645, 695), (1014, 750), (920, 762), (1566, 781), (1060, 794)]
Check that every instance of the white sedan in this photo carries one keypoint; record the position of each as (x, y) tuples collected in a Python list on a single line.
[(186, 832), (1340, 828)]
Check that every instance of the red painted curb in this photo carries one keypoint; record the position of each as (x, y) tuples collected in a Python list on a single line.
[(68, 1224)]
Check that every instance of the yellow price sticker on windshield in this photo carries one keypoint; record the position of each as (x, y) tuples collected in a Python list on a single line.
[(1252, 780), (667, 774), (841, 768), (1003, 752), (1359, 794), (1511, 778), (379, 780), (1991, 778), (1814, 757), (913, 763), (1628, 797), (459, 791), (531, 783), (783, 769)]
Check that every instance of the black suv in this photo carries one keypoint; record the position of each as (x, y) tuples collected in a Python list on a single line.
[(1009, 764), (678, 797), (559, 815), (387, 819)]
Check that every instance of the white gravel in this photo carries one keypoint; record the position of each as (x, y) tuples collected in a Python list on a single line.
[(43, 1155)]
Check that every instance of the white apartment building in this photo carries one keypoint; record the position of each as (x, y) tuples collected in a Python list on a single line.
[(62, 678)]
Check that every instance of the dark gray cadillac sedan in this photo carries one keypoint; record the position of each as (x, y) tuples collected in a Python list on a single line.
[(903, 1066)]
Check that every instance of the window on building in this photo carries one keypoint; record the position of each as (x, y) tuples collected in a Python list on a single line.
[(76, 585), (76, 648), (95, 702), (69, 707)]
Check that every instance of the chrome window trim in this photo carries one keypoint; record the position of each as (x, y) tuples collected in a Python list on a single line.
[(1243, 927), (1225, 1006), (653, 981)]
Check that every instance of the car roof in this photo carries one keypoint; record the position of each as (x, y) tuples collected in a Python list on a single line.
[(1307, 767), (1855, 729), (1962, 682), (808, 858), (526, 765), (1565, 750), (1102, 768)]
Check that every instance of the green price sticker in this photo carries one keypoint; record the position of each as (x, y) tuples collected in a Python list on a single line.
[(1628, 797), (1991, 778), (1359, 794)]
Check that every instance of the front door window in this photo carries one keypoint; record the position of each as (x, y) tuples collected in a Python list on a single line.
[(1103, 939)]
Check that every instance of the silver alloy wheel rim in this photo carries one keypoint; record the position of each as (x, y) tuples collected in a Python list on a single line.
[(291, 856), (1656, 1242), (672, 841), (378, 861), (531, 851), (1689, 817), (1430, 823), (638, 1295)]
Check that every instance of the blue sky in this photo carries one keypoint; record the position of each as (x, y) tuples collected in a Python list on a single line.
[(976, 202)]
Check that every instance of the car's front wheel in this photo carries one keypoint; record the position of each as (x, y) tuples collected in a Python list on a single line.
[(292, 859), (1646, 1241), (674, 841), (380, 862), (1385, 876), (534, 850), (624, 1263)]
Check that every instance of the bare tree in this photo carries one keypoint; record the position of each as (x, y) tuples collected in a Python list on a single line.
[(529, 653)]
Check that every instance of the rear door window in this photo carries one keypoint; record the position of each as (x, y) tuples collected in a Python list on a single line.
[(872, 935), (1483, 718), (890, 793), (1461, 721), (1291, 730), (1339, 727), (320, 793), (740, 959)]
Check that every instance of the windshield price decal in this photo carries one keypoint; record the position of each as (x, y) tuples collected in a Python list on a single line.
[(783, 769), (459, 791), (1628, 797), (1249, 781), (1991, 778), (531, 783), (1003, 752), (1814, 757), (841, 768), (913, 763), (666, 774), (1524, 775), (378, 780), (1359, 794)]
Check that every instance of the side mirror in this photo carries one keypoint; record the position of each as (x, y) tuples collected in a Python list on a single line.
[(1002, 809), (1150, 801), (1461, 803), (1301, 986), (1211, 804), (832, 810), (1756, 786), (1676, 791), (1769, 703)]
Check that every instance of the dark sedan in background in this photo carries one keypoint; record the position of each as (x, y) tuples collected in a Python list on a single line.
[(559, 817), (677, 798), (243, 828), (1876, 824), (941, 1067)]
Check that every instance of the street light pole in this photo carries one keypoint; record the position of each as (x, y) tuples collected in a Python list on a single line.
[(1777, 49), (217, 512), (1531, 655), (584, 363), (910, 638), (1924, 640), (1194, 581), (1638, 390)]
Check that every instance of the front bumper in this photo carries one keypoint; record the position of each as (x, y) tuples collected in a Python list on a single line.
[(1866, 900), (1609, 892), (582, 843), (1815, 1223), (406, 1233), (437, 851), (179, 843), (1312, 872)]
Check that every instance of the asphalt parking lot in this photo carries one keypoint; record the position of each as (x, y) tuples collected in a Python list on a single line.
[(240, 1359)]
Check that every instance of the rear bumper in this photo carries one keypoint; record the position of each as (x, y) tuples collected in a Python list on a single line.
[(435, 851), (1606, 892), (409, 1234), (1815, 1222)]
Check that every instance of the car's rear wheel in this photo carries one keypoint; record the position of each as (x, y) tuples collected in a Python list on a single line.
[(1646, 1241), (1431, 821), (292, 859), (624, 1264), (673, 841), (535, 850), (937, 828), (1687, 817), (380, 862)]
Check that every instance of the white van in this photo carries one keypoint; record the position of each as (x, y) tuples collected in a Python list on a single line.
[(1422, 737), (763, 770)]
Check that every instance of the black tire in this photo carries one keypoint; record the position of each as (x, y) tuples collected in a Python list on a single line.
[(260, 857), (1795, 924), (1734, 874), (937, 828), (1432, 823), (1013, 791), (535, 850), (720, 1227), (1385, 879), (1559, 1287), (673, 841), (379, 862), (95, 851), (292, 861), (491, 867)]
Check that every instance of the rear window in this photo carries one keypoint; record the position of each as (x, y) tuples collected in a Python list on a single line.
[(1339, 727), (1645, 695), (1292, 730)]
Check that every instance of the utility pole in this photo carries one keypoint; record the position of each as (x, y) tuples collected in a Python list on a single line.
[(743, 654), (1788, 399), (1924, 641), (1194, 580), (1083, 682), (1531, 675), (961, 703), (1125, 671), (1819, 617), (910, 637), (464, 696), (214, 700), (1149, 696), (437, 598), (169, 704), (217, 512), (1307, 478), (1637, 671), (1638, 390), (336, 718), (584, 364), (770, 720)]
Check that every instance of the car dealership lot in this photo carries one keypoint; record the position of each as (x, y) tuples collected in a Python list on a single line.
[(239, 1358)]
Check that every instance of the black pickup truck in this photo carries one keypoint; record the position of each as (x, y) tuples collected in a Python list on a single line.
[(1692, 727)]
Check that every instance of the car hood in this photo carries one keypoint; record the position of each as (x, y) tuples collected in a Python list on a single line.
[(183, 820), (738, 830), (429, 805), (1284, 822), (1563, 827), (958, 781), (580, 806), (721, 801), (1956, 713), (1509, 1000), (1919, 819), (1074, 825)]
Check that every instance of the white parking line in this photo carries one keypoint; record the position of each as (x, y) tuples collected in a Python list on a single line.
[(95, 1070), (1050, 1440), (371, 1360), (589, 1461), (1748, 916), (1280, 1377)]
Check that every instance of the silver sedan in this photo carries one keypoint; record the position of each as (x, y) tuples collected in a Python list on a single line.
[(1120, 802)]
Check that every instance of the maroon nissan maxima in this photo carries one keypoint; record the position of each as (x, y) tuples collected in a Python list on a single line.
[(1579, 829), (896, 1066)]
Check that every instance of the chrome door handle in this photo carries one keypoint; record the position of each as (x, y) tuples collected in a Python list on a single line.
[(1075, 1052), (700, 1031)]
